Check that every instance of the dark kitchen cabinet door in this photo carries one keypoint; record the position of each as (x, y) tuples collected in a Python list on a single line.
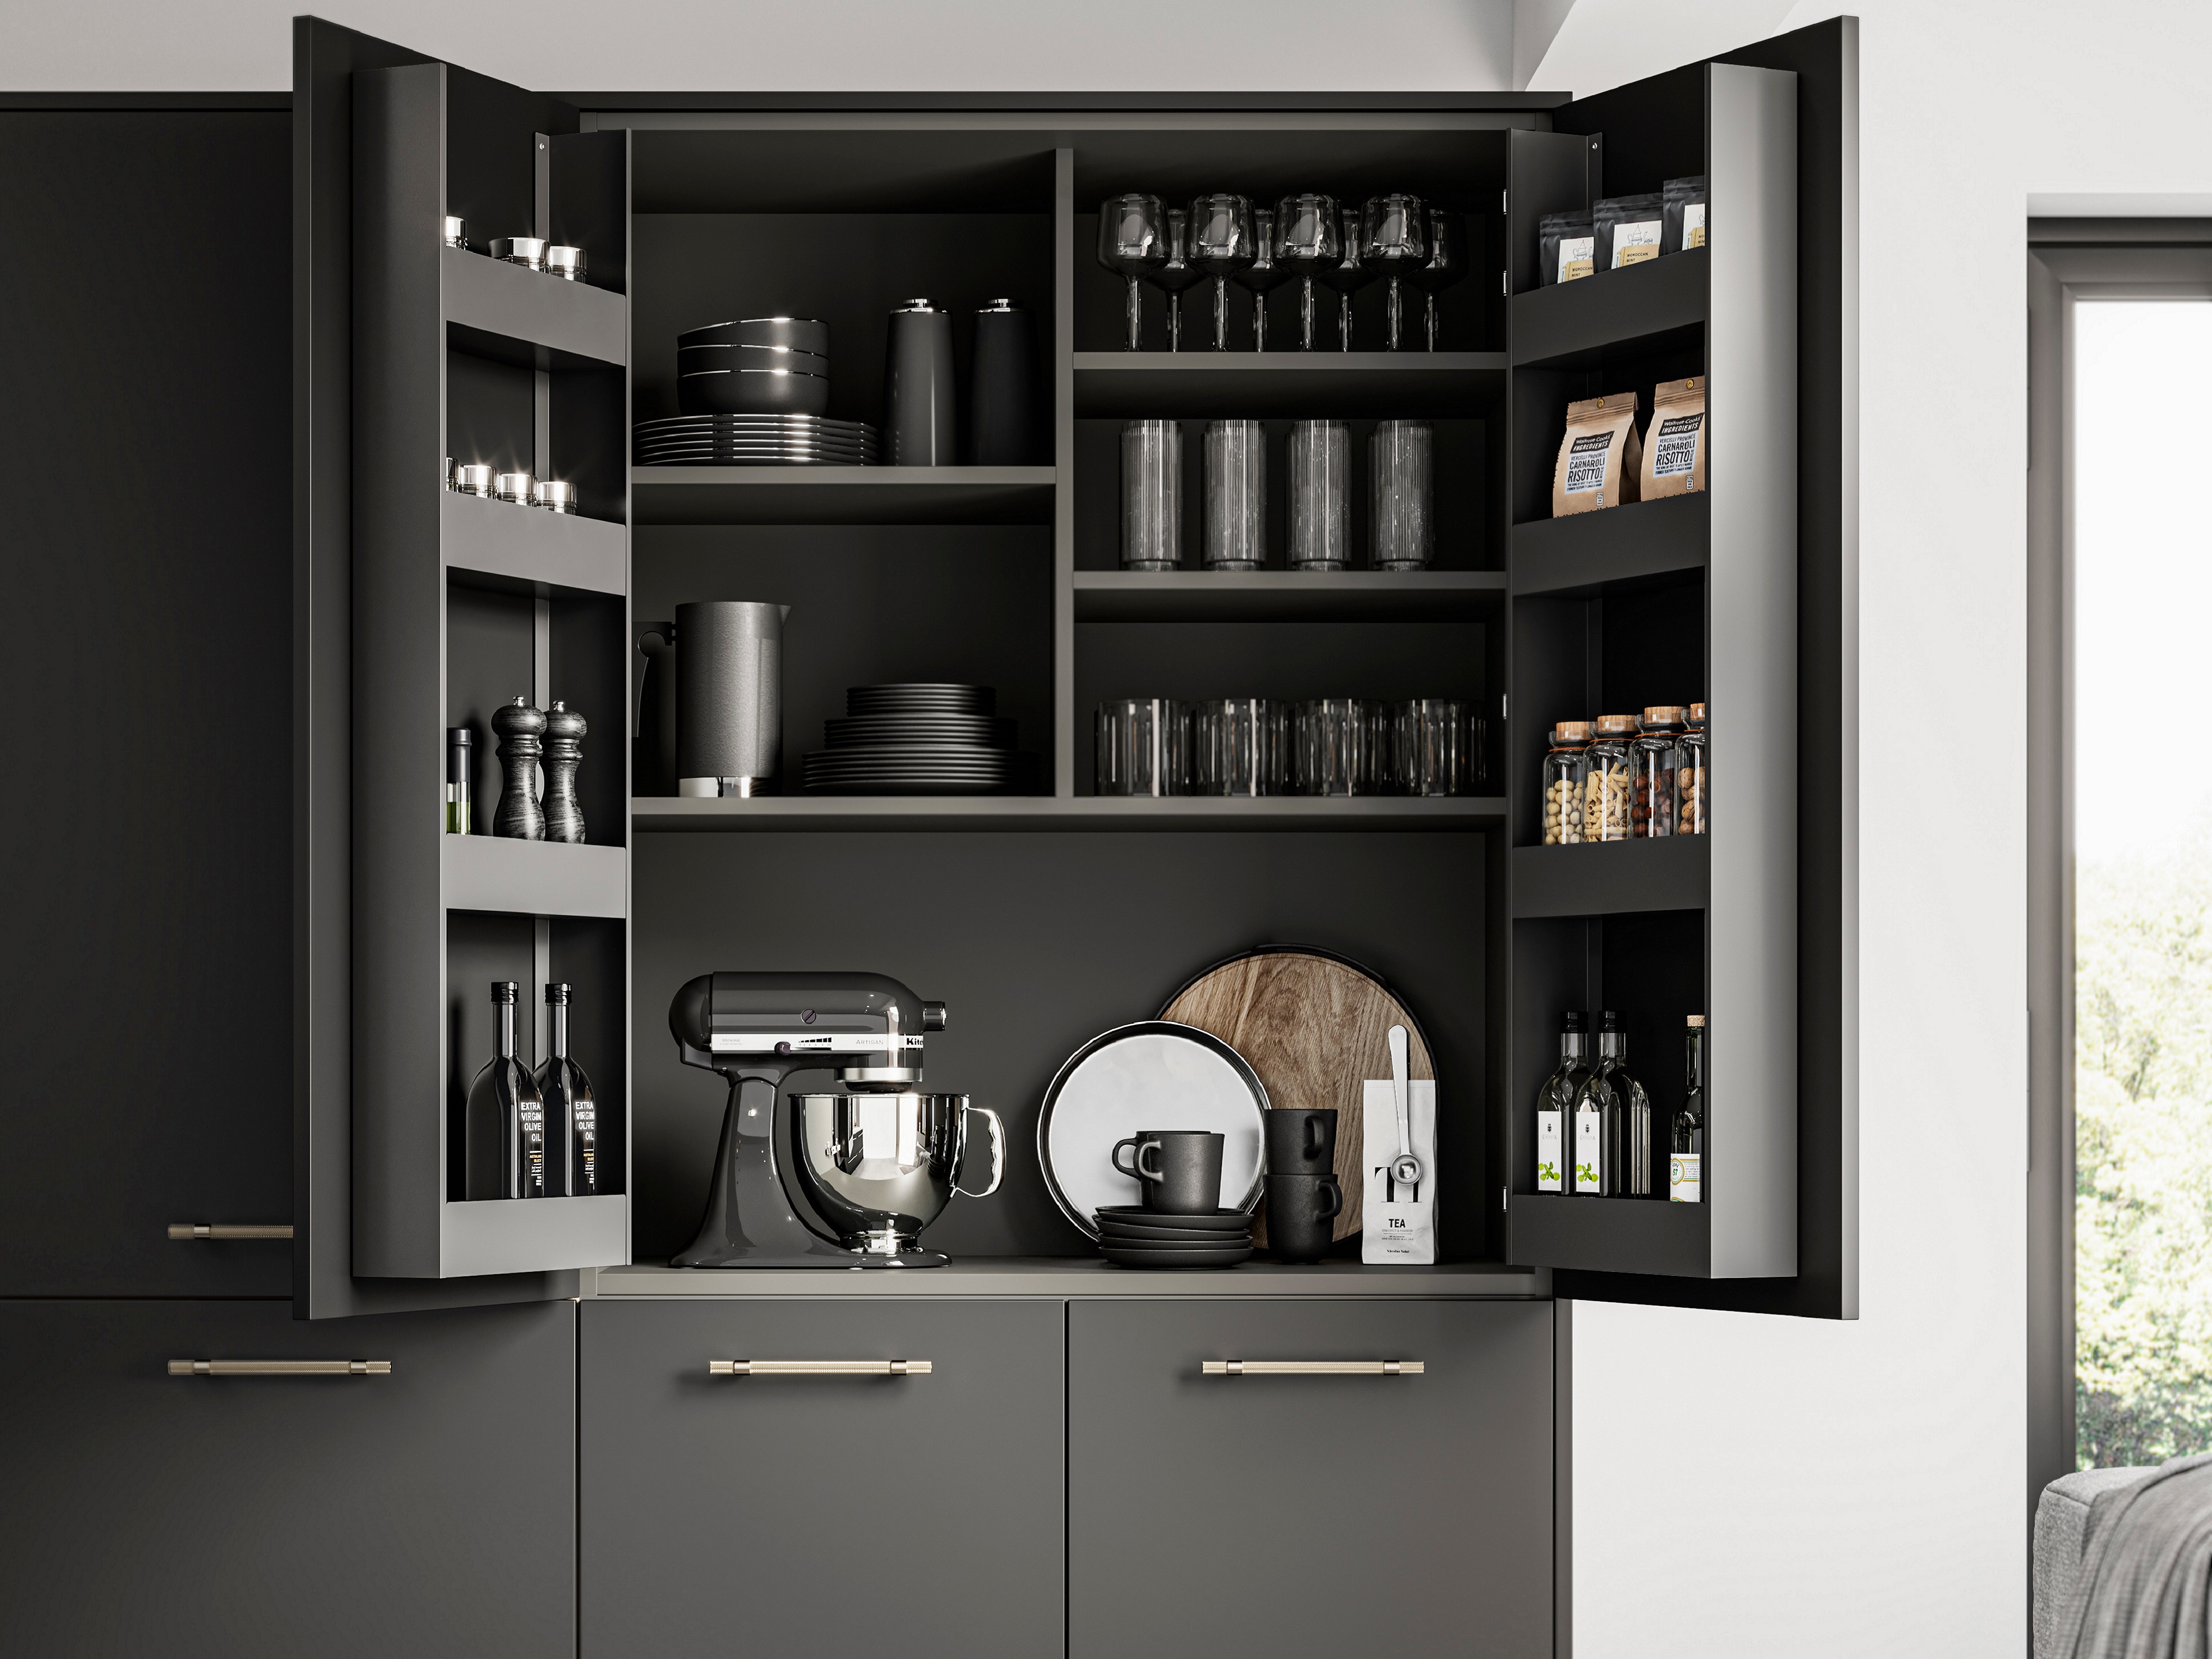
[(1317, 1515), (918, 1515), (428, 1512)]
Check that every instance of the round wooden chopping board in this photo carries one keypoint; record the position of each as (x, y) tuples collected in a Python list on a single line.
[(1315, 1028)]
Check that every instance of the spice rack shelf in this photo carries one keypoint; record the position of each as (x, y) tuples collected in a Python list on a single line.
[(529, 320), (1581, 555), (534, 877), (545, 1235), (1302, 385), (510, 548), (1565, 1231), (1574, 324), (1178, 812), (1207, 596), (842, 494), (1598, 878)]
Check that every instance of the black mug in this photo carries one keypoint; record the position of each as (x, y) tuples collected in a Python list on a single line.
[(1301, 1142), (1180, 1170), (1300, 1208)]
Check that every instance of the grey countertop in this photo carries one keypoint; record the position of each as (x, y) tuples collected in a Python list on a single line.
[(1075, 1276)]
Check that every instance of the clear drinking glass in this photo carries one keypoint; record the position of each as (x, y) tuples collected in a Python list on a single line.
[(1132, 244), (1393, 237), (1143, 747), (1176, 273), (1221, 233), (1264, 275), (1347, 276), (1152, 495), (1401, 472), (1241, 746), (1320, 462), (1235, 495), (1342, 745), (1432, 747), (1446, 263), (1309, 241)]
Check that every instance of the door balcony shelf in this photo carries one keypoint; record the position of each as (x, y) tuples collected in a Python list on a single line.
[(1214, 596), (1612, 878), (527, 319), (1030, 812), (535, 878), (1288, 385), (1567, 1230), (1586, 553), (843, 494), (1576, 325), (500, 544), (532, 1235)]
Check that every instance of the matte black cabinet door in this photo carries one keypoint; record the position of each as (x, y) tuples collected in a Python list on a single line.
[(1324, 1516), (430, 1512), (918, 1516)]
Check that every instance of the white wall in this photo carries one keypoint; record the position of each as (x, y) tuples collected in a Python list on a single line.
[(1743, 1486)]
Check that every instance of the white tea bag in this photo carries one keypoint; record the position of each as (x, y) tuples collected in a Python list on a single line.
[(1399, 1219)]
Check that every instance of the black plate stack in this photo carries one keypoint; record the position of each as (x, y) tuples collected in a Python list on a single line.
[(755, 440), (1134, 1237), (920, 740)]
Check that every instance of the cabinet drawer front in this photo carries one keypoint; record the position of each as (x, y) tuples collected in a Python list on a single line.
[(806, 1501), (1309, 1510), (426, 1511)]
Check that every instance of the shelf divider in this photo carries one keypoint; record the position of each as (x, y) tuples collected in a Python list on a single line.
[(842, 494), (494, 308), (1612, 1234), (535, 878), (1611, 878), (1582, 554), (1030, 812), (1572, 324), (500, 544), (1304, 384), (1287, 595)]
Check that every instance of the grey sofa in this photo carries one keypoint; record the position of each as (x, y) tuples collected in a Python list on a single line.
[(2060, 1518)]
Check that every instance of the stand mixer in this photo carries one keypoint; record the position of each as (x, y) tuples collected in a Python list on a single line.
[(875, 1165)]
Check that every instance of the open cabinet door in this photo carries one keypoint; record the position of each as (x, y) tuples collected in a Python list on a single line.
[(1740, 596), (418, 610)]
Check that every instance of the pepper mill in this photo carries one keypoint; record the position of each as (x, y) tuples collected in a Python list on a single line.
[(564, 753), (519, 726)]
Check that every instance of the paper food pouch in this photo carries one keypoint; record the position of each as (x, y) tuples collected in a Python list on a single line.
[(1674, 448), (1600, 458), (1398, 1223)]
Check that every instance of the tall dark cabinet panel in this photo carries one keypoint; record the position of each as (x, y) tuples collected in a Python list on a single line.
[(429, 1510), (148, 697)]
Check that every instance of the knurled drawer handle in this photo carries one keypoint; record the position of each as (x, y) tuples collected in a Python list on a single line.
[(280, 1368), (1311, 1368), (817, 1368), (188, 1230)]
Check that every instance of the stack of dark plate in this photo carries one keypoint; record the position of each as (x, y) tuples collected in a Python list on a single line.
[(755, 440), (920, 740), (1134, 1237)]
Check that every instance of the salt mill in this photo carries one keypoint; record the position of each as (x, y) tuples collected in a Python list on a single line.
[(520, 727), (564, 753)]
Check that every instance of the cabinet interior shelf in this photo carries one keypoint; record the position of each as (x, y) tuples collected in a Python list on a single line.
[(1575, 325), (1064, 812), (1568, 1229), (1585, 554), (1300, 385), (1287, 595), (500, 545), (842, 494), (535, 878), (534, 1235), (1597, 878), (527, 319)]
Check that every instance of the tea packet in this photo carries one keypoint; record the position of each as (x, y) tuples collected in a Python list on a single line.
[(1600, 458), (1628, 228), (1566, 247), (1674, 447), (1398, 1219), (1684, 206)]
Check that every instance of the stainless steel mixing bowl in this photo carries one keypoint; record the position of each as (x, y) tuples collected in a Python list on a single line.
[(879, 1168)]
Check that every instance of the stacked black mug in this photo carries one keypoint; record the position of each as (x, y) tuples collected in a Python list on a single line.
[(1303, 1198), (1180, 1223)]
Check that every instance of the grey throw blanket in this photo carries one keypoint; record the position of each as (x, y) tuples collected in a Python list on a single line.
[(2145, 1588)]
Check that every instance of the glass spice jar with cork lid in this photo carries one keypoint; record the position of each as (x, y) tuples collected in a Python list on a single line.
[(1565, 768), (1653, 755), (1689, 789), (1608, 787)]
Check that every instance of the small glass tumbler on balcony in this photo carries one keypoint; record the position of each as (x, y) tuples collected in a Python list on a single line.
[(1320, 459), (1241, 746), (1143, 747), (1609, 785), (1152, 495), (1691, 794), (1342, 747), (1565, 769), (1655, 755), (1432, 747), (1401, 473), (1235, 495)]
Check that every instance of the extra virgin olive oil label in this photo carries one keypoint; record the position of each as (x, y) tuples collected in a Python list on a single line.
[(1685, 1183), (1577, 256), (1550, 1155), (1632, 244), (533, 1148), (1589, 1152)]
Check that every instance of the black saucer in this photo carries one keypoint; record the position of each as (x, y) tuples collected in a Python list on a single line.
[(1224, 1221)]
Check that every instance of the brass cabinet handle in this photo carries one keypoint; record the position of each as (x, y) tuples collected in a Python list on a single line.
[(1311, 1368), (817, 1368), (190, 1230), (280, 1368)]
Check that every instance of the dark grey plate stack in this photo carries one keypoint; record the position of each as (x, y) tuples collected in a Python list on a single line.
[(920, 740), (1134, 1238), (755, 440)]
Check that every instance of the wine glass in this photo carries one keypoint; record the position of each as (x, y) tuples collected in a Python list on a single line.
[(1309, 242), (1347, 276), (1393, 237), (1176, 273), (1263, 275), (1132, 244), (1446, 263), (1220, 246)]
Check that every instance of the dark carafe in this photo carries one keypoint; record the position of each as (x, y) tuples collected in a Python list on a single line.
[(571, 1118), (505, 1131), (1613, 1122)]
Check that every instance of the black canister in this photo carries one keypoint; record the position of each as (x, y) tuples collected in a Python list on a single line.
[(653, 761), (1002, 388), (920, 410)]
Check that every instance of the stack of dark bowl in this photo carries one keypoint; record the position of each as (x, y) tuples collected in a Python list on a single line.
[(754, 393), (920, 740)]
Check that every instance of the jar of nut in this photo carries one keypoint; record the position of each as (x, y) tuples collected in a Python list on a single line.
[(1653, 755), (1563, 783), (1690, 791), (1608, 787)]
